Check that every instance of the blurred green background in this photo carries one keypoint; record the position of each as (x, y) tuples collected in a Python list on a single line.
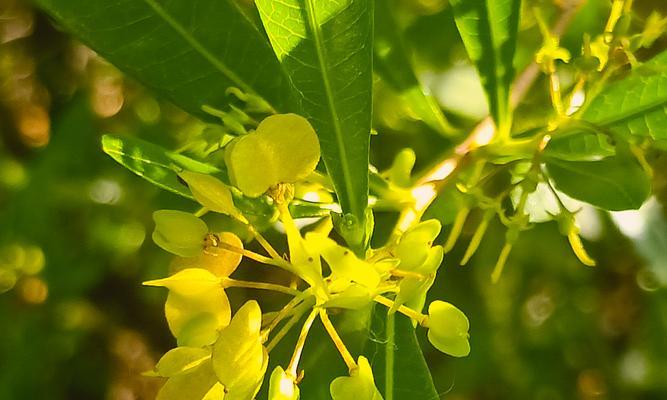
[(75, 322)]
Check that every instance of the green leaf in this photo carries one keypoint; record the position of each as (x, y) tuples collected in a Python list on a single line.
[(326, 49), (489, 32), (613, 183), (399, 366), (189, 51), (636, 105), (154, 163), (393, 65), (161, 167), (579, 145)]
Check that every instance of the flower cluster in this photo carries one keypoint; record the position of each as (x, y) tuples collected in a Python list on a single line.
[(224, 354)]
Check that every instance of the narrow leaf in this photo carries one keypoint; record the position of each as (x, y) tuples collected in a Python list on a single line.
[(154, 163), (189, 51), (613, 183), (489, 31), (393, 65), (326, 49), (636, 105), (161, 167), (399, 366)]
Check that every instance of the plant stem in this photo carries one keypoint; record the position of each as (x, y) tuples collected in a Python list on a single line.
[(256, 257), (389, 356), (228, 282), (296, 356), (260, 239), (500, 264), (408, 312), (286, 310), (338, 342), (298, 313)]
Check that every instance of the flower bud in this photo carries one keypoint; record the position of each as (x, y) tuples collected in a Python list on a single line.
[(282, 386), (360, 385), (414, 246), (197, 306), (179, 232), (210, 192), (448, 329), (220, 262), (239, 358)]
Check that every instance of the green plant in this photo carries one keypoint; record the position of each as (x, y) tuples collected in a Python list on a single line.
[(285, 82)]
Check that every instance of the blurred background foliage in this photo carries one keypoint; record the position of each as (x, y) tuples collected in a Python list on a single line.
[(75, 323)]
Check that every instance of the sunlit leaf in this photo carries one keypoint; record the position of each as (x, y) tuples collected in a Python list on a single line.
[(326, 49), (393, 64), (489, 31), (636, 105)]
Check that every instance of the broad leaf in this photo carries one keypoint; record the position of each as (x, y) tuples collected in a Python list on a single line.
[(579, 145), (189, 51), (326, 49), (489, 32), (393, 64), (398, 363), (636, 105), (614, 183)]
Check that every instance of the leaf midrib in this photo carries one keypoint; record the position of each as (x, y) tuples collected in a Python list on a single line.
[(634, 113), (198, 46), (321, 58)]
